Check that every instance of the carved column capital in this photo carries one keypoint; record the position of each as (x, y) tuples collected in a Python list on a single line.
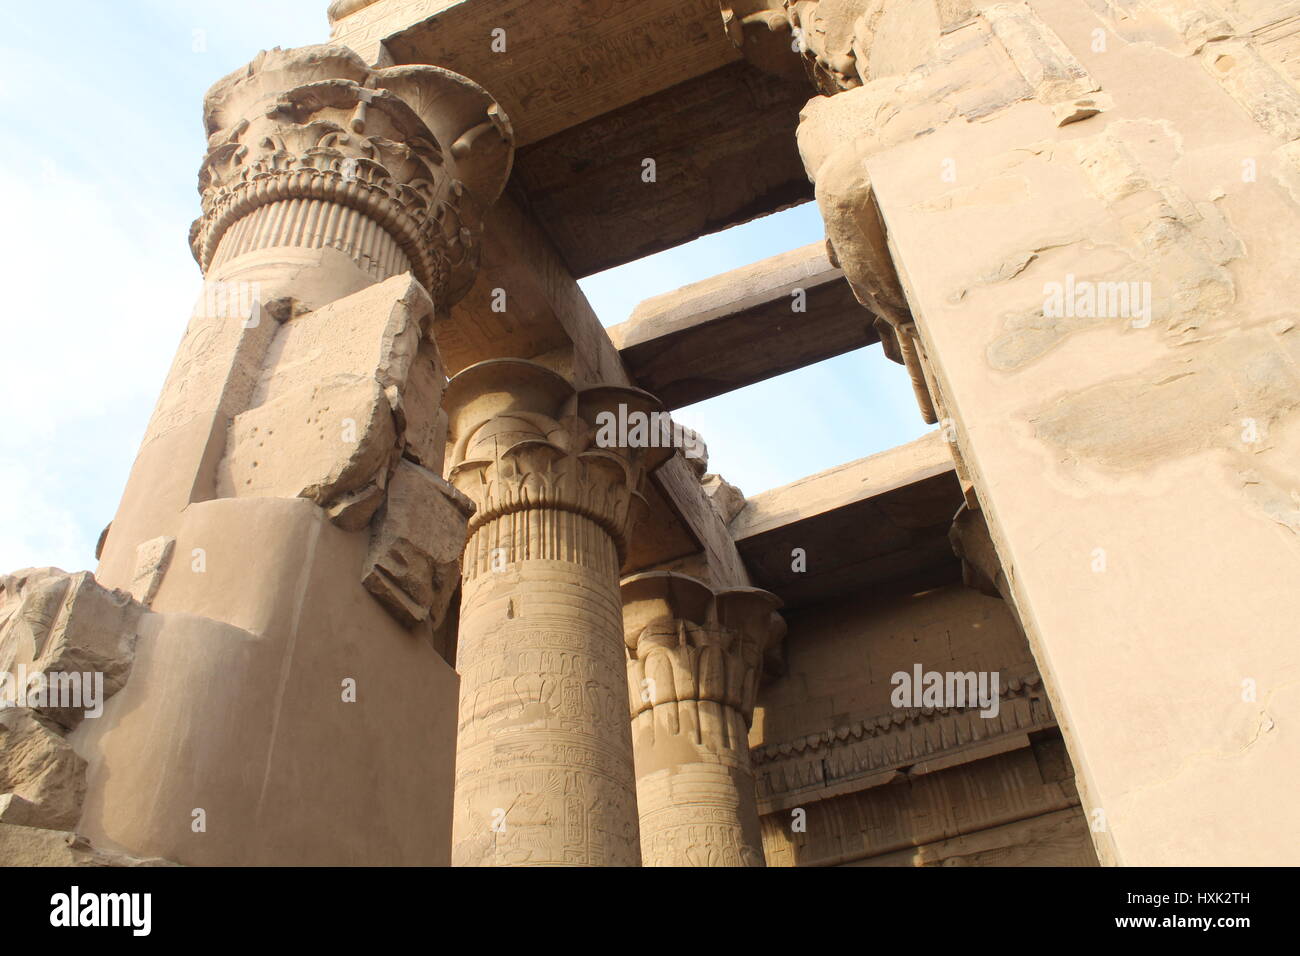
[(544, 767), (689, 643), (694, 660), (523, 439), (393, 167)]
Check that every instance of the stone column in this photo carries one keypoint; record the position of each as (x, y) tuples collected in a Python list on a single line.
[(322, 179), (694, 662), (286, 523), (544, 772)]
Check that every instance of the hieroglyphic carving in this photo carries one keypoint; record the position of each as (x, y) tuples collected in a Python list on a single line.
[(854, 756), (544, 771), (695, 657), (1023, 784)]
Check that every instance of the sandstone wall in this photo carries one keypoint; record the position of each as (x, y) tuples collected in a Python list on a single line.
[(883, 785), (1136, 465)]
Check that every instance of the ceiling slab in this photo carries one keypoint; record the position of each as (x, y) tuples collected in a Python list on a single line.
[(876, 525), (724, 152)]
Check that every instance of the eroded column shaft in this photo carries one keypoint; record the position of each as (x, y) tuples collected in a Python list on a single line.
[(695, 786), (544, 763)]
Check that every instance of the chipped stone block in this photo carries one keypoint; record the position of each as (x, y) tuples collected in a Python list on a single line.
[(322, 442), (1195, 21), (1072, 111), (338, 388), (1270, 99), (95, 635), (727, 499), (30, 602), (695, 451), (981, 567), (18, 811), (374, 333), (59, 625), (414, 563), (1045, 62), (353, 511), (153, 557), (425, 432), (40, 767), (23, 845)]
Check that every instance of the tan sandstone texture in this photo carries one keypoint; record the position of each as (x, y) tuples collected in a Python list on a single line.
[(386, 587)]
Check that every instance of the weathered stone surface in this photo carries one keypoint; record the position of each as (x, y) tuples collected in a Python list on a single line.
[(31, 601), (153, 557), (1164, 388), (39, 766), (66, 645), (726, 497), (31, 845), (414, 562), (342, 372), (425, 431), (19, 811), (320, 442), (67, 628)]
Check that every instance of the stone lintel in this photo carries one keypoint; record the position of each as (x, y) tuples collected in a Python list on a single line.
[(774, 316), (556, 64), (879, 522)]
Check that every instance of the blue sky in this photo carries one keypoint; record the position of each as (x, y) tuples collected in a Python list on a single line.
[(99, 153)]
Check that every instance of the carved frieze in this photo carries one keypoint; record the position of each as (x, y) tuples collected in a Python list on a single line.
[(867, 752)]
